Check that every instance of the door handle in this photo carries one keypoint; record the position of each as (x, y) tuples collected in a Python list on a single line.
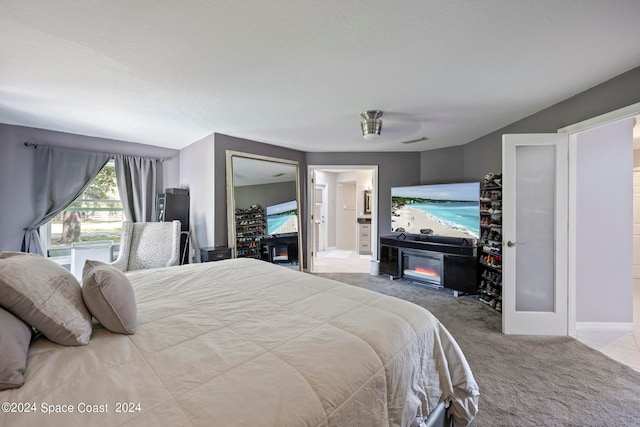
[(512, 244)]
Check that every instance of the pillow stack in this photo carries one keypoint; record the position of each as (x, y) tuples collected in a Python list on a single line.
[(37, 293)]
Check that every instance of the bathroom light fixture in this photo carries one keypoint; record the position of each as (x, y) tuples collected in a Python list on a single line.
[(371, 124)]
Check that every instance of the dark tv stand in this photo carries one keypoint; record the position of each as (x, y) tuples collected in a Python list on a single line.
[(448, 262)]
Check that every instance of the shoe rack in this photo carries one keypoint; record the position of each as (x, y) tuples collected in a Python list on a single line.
[(490, 244), (250, 228)]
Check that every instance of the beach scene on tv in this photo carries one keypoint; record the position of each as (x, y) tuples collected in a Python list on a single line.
[(282, 218), (451, 210)]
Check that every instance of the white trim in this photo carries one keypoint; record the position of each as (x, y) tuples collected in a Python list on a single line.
[(45, 238), (572, 236), (603, 119), (604, 326)]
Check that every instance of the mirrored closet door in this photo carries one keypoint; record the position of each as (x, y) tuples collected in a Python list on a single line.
[(263, 203)]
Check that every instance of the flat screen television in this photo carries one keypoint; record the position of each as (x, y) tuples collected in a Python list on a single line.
[(451, 210), (282, 218)]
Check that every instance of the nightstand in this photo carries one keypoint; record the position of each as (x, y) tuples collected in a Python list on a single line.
[(215, 253)]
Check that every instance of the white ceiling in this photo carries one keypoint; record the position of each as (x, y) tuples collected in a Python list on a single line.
[(298, 74), (248, 171)]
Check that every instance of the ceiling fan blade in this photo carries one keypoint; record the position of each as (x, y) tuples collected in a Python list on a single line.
[(424, 138)]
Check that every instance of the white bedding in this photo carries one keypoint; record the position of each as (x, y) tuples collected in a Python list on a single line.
[(243, 342)]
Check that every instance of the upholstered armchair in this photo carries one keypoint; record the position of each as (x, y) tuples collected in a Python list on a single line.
[(148, 245)]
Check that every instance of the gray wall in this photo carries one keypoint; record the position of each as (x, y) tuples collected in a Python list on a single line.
[(17, 172), (485, 154), (442, 166)]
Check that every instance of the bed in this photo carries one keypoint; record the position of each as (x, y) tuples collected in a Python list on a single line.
[(243, 342)]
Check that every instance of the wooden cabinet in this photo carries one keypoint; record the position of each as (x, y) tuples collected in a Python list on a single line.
[(364, 237)]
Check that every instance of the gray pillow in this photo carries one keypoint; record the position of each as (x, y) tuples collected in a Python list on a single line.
[(109, 296), (46, 296), (15, 336)]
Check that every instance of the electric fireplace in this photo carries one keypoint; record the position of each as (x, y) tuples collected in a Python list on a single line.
[(280, 253), (435, 261), (282, 249), (422, 267)]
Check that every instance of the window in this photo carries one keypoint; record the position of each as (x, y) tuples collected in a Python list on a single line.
[(96, 215)]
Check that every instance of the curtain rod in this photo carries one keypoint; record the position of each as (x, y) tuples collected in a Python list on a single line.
[(34, 146)]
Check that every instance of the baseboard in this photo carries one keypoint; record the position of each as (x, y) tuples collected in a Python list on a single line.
[(604, 326)]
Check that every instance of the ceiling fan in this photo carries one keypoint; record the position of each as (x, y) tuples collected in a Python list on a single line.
[(371, 125)]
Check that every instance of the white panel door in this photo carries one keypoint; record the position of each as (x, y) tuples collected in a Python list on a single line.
[(346, 219), (636, 223), (320, 217), (534, 233)]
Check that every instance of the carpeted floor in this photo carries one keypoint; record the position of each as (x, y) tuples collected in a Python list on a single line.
[(524, 380)]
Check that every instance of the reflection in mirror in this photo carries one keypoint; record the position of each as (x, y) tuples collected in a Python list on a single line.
[(263, 199)]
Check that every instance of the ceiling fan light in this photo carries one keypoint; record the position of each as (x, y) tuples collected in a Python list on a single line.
[(371, 136), (371, 124)]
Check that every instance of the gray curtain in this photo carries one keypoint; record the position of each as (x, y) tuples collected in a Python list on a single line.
[(136, 177), (62, 174)]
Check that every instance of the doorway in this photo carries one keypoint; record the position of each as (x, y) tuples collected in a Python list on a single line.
[(600, 221), (619, 288), (600, 212), (344, 203)]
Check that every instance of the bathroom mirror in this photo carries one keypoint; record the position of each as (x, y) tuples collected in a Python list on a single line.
[(263, 208)]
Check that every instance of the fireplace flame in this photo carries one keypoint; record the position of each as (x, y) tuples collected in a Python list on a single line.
[(426, 271)]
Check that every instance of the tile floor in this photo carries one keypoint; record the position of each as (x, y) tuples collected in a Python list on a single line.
[(622, 346), (341, 261)]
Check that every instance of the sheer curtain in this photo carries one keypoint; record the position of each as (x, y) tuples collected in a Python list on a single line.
[(136, 177), (61, 175)]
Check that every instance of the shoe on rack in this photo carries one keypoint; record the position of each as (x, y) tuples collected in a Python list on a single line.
[(485, 298)]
